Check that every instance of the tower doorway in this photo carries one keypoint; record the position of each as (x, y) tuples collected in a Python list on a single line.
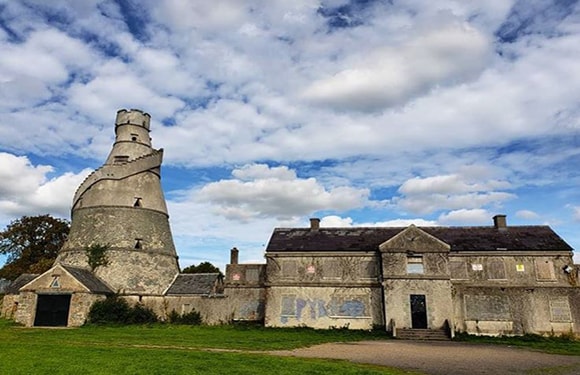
[(52, 310), (418, 311)]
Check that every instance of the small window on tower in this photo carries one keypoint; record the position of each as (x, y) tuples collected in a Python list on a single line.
[(134, 137), (121, 159), (138, 244), (137, 202)]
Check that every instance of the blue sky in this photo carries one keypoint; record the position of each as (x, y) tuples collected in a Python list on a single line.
[(271, 112)]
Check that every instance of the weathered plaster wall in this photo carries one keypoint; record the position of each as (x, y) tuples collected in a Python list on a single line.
[(147, 270), (437, 295), (323, 307), (516, 310)]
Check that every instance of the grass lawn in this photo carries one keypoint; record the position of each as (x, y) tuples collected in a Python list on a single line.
[(164, 349)]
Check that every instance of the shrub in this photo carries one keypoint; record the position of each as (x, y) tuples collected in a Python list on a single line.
[(113, 309), (140, 314), (191, 318), (116, 310)]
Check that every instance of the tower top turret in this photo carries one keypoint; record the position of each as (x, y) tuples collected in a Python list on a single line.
[(134, 117)]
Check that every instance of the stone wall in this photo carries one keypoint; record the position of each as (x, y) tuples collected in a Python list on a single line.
[(516, 310)]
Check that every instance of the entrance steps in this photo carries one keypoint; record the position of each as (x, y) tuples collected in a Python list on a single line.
[(422, 334)]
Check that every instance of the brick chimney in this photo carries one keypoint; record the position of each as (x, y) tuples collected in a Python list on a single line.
[(500, 222), (234, 252), (314, 223)]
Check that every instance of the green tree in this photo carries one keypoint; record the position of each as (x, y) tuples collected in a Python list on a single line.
[(203, 267), (32, 244)]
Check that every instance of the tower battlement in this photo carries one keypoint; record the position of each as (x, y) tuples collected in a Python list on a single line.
[(134, 117)]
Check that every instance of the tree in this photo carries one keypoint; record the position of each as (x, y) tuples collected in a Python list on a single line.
[(203, 267), (32, 244)]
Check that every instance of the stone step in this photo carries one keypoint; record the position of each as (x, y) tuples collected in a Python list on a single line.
[(422, 334)]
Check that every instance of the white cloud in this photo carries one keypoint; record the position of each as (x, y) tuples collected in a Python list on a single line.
[(466, 216), (450, 192), (276, 192), (338, 221), (527, 215), (576, 212), (391, 76), (25, 189)]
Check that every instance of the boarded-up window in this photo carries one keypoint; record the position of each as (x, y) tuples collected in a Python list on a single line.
[(545, 269), (288, 307), (415, 265), (496, 270), (458, 270), (367, 269), (252, 275), (560, 309), (485, 307), (289, 268), (353, 306), (332, 269)]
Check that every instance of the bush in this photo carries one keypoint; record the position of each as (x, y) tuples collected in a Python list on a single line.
[(110, 310), (140, 314), (191, 318), (116, 310)]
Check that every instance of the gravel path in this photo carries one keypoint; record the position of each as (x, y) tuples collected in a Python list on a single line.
[(445, 358)]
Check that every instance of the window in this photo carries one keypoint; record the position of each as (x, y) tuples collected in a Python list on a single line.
[(458, 270), (349, 306), (496, 270), (55, 282), (487, 307), (138, 244), (288, 307), (332, 269), (368, 269), (134, 137), (415, 265), (545, 270), (560, 309), (252, 275), (137, 202), (289, 268), (121, 159)]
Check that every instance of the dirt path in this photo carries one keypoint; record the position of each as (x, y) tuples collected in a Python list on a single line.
[(445, 358)]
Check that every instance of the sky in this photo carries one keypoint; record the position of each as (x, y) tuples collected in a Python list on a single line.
[(360, 113)]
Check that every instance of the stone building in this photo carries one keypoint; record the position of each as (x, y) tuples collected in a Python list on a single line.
[(495, 279)]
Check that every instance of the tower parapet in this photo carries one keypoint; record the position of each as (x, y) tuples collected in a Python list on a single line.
[(133, 117)]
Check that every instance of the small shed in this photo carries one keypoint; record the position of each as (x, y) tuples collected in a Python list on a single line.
[(61, 296)]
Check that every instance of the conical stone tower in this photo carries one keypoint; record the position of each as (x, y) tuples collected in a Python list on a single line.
[(121, 205)]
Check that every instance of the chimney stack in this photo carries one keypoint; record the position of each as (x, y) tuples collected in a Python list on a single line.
[(500, 222), (234, 252), (314, 223)]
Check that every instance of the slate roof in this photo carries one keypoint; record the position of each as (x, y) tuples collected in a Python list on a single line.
[(86, 277), (194, 283), (19, 282), (513, 238)]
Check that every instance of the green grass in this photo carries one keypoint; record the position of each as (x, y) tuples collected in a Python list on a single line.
[(554, 345), (164, 349)]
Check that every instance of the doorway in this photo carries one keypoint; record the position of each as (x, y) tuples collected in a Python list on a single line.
[(52, 310), (418, 311)]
